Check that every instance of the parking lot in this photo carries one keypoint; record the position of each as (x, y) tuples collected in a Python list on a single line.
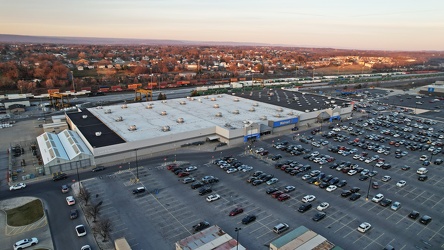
[(166, 212)]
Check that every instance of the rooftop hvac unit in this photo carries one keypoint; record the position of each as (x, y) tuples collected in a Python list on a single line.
[(220, 96), (307, 110), (206, 97), (183, 103), (119, 119), (218, 114), (166, 128), (180, 120), (149, 106), (108, 111), (291, 113), (255, 104), (279, 110), (277, 115), (164, 101), (132, 128), (252, 109), (216, 106), (263, 118), (192, 99), (236, 112), (99, 107), (199, 100), (315, 109), (84, 116), (213, 99), (163, 113), (236, 99), (124, 106), (98, 134)]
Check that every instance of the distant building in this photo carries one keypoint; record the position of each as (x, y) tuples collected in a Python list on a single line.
[(436, 89)]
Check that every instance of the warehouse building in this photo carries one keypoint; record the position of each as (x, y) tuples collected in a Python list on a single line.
[(123, 132), (208, 239)]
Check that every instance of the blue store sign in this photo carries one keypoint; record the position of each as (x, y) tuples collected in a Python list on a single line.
[(285, 122)]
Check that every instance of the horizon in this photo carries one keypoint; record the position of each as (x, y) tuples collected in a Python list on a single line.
[(394, 26)]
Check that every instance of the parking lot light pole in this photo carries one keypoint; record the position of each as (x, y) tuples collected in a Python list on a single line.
[(237, 229), (137, 167), (370, 183)]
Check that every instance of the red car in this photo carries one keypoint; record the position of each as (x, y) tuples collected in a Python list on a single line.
[(277, 194), (236, 211), (283, 197), (183, 174), (171, 166)]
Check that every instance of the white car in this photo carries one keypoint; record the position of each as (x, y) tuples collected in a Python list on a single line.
[(423, 157), (288, 189), (364, 227), (80, 230), (231, 170), (272, 181), (308, 198), (395, 206), (306, 177), (191, 168), (401, 183), (352, 172), (378, 198), (17, 186), (25, 243), (356, 157), (386, 178), (324, 205), (213, 197), (86, 247), (331, 188), (379, 164), (70, 200)]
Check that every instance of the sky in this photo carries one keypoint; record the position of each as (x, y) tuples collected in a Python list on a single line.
[(350, 24)]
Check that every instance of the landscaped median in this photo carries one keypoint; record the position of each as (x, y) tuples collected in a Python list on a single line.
[(25, 214)]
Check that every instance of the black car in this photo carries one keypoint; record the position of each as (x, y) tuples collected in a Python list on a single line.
[(271, 190), (139, 190), (257, 182), (385, 202), (197, 185), (355, 189), (414, 215), (73, 214), (355, 196), (425, 219), (59, 176), (205, 190), (98, 168), (342, 183), (422, 177), (248, 219), (363, 177), (319, 216), (201, 226), (304, 207), (346, 193), (323, 185), (334, 181)]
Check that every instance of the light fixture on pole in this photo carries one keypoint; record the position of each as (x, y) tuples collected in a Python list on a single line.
[(369, 183), (237, 229)]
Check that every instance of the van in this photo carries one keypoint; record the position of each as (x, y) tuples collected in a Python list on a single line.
[(281, 227), (422, 171)]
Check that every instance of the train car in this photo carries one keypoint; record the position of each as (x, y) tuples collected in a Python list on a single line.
[(135, 86), (116, 88)]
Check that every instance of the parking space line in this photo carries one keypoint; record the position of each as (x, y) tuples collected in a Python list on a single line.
[(438, 203)]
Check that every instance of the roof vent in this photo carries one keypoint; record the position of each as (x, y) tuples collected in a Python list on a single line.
[(206, 97), (315, 109), (180, 120), (166, 128), (236, 112), (216, 106), (98, 134), (291, 113), (163, 113), (255, 104), (164, 101), (124, 106), (213, 99), (307, 111), (220, 96), (108, 111), (132, 128), (119, 119), (200, 100), (236, 99), (84, 116), (218, 114), (252, 109), (99, 107), (192, 99), (263, 118), (277, 115), (279, 110), (149, 106), (183, 103)]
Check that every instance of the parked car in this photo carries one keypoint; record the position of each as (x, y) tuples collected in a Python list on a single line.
[(25, 243), (236, 211), (213, 197), (425, 219), (288, 189), (248, 219), (139, 190), (70, 200), (65, 188), (17, 186), (73, 214), (395, 206), (201, 226), (304, 207), (355, 196), (98, 168), (308, 198), (364, 227), (80, 230), (188, 180), (205, 190), (414, 214), (283, 197), (324, 205), (319, 216)]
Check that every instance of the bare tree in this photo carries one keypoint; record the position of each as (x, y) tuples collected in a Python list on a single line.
[(84, 195), (103, 227), (93, 210)]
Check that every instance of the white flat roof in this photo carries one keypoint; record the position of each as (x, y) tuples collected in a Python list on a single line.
[(197, 113)]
